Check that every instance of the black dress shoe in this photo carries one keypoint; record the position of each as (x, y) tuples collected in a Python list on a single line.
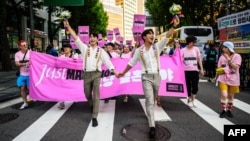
[(152, 133), (223, 114), (94, 122)]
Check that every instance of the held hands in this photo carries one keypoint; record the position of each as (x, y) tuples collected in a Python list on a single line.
[(120, 75)]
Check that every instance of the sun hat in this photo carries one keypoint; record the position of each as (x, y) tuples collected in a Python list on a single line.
[(229, 45)]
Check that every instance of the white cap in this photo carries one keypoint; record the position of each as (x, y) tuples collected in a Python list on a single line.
[(229, 45)]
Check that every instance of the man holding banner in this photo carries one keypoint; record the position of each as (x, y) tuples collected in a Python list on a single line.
[(148, 55), (93, 57)]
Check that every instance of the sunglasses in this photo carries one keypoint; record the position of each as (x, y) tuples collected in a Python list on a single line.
[(24, 45)]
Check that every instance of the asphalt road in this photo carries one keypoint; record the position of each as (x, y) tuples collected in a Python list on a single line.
[(44, 121)]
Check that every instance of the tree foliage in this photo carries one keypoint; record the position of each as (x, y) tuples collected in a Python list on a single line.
[(4, 46), (201, 12), (91, 14)]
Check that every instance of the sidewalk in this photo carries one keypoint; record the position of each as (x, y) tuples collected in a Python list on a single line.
[(8, 88)]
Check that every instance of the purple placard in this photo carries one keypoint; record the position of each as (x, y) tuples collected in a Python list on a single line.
[(129, 42), (72, 42), (99, 37), (137, 33), (138, 26), (101, 43), (117, 34), (110, 35), (83, 33), (139, 20)]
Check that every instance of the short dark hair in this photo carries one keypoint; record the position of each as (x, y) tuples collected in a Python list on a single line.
[(66, 46), (110, 44), (93, 34), (190, 39), (211, 45), (145, 32)]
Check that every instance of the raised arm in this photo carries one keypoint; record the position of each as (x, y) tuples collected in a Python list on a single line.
[(71, 31)]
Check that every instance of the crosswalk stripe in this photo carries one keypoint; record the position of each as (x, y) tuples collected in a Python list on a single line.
[(201, 80), (10, 102), (210, 116), (242, 105), (160, 114), (104, 130), (41, 126)]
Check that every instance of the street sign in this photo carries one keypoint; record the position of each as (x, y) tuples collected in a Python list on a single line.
[(63, 2)]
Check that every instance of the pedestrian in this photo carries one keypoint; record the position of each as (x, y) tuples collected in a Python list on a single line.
[(148, 55), (175, 46), (112, 54), (51, 50), (22, 58), (126, 54), (191, 58), (93, 57), (229, 82), (67, 53), (211, 59)]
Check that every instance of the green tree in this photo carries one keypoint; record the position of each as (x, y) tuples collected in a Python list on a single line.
[(20, 9), (201, 12), (4, 46), (92, 14)]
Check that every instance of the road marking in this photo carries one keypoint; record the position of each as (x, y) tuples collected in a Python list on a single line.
[(210, 116), (160, 114), (201, 80), (42, 125), (104, 130), (10, 102), (242, 105)]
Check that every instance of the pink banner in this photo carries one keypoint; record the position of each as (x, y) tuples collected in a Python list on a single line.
[(60, 79), (83, 33), (110, 35)]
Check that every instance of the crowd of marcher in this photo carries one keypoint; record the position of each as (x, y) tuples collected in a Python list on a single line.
[(148, 55)]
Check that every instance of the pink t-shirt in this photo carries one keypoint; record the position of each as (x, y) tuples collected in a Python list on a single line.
[(24, 70), (231, 76), (190, 58), (114, 54), (126, 55)]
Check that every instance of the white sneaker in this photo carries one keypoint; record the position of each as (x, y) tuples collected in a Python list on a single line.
[(24, 105), (61, 105), (194, 103)]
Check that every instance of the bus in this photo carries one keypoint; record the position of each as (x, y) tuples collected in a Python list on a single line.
[(204, 34)]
